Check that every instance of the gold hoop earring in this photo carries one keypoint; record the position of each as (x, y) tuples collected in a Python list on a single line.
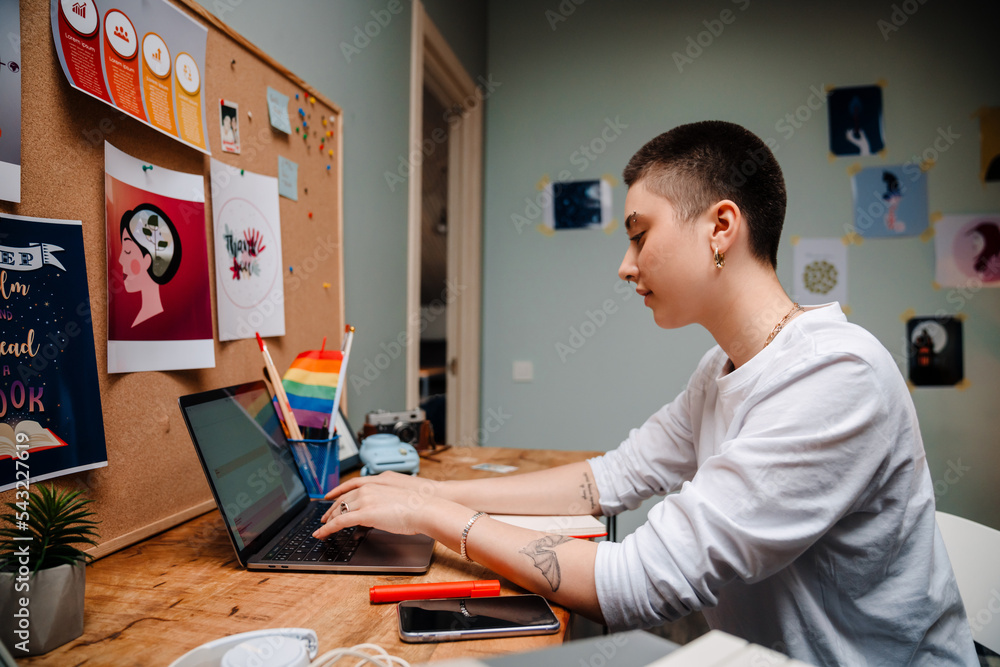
[(720, 259)]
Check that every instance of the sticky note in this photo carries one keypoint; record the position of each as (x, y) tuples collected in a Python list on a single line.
[(288, 179), (277, 108)]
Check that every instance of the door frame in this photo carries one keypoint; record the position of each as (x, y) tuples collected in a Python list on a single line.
[(433, 64)]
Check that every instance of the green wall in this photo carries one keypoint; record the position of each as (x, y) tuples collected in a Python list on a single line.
[(576, 98), (603, 75)]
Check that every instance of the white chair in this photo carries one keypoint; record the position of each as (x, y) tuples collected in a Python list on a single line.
[(974, 550)]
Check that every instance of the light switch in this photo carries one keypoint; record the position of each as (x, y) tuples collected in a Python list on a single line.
[(524, 371)]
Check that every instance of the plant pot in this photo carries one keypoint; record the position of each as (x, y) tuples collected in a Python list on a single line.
[(42, 611)]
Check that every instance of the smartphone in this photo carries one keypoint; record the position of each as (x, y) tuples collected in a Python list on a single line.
[(475, 618)]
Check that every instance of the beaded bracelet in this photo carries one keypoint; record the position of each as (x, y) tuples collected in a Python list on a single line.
[(465, 532)]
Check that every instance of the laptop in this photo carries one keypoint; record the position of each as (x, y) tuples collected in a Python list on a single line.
[(264, 504)]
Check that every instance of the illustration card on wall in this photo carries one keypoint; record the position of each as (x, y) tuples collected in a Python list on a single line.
[(249, 282), (51, 422), (989, 138), (229, 126), (967, 251), (820, 267), (935, 351), (855, 115), (159, 304), (10, 102), (890, 201), (145, 57), (577, 205)]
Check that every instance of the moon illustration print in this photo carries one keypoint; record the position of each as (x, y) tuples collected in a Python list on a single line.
[(150, 256)]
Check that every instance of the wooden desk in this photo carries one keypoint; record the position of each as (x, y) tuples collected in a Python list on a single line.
[(152, 602)]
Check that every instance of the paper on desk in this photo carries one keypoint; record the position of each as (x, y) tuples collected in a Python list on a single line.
[(582, 526), (494, 467)]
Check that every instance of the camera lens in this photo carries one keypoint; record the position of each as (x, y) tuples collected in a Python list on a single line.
[(406, 432)]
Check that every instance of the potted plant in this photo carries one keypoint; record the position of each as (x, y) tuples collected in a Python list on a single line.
[(41, 571)]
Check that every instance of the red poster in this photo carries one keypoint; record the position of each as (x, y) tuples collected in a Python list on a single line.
[(121, 46), (79, 22)]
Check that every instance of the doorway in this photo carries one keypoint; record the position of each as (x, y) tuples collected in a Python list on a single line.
[(434, 266), (454, 169)]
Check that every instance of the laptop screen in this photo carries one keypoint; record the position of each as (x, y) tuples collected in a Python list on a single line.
[(243, 449)]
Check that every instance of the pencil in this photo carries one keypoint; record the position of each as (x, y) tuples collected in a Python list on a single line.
[(279, 392), (286, 411), (349, 331)]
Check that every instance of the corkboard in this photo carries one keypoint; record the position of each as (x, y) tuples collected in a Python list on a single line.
[(153, 479)]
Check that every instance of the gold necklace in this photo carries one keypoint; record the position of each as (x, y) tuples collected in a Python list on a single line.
[(784, 320)]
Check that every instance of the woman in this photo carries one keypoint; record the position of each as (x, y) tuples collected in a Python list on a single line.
[(150, 256), (803, 518)]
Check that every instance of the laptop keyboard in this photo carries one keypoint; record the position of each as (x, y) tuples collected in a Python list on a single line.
[(301, 547)]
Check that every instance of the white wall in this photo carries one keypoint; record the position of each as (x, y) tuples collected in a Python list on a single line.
[(606, 77)]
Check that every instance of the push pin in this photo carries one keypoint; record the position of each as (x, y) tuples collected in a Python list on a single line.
[(312, 100), (250, 115), (233, 64), (241, 172), (330, 152), (328, 167), (310, 215), (146, 167), (326, 285)]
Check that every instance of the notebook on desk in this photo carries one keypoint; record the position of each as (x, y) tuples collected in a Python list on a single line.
[(267, 512)]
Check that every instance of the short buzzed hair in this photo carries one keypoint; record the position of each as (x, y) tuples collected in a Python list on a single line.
[(694, 166)]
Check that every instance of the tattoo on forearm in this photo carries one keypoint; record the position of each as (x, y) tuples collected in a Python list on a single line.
[(589, 493), (542, 554)]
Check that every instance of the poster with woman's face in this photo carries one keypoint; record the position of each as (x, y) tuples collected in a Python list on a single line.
[(967, 251), (159, 304)]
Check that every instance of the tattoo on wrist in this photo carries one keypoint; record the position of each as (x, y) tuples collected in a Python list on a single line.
[(589, 493), (542, 554)]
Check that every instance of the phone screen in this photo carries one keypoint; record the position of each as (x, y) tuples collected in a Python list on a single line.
[(469, 618)]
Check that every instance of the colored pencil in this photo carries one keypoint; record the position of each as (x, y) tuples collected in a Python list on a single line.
[(286, 410)]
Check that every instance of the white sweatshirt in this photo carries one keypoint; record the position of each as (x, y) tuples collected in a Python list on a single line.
[(803, 518)]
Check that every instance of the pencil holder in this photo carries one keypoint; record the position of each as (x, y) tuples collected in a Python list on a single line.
[(319, 464)]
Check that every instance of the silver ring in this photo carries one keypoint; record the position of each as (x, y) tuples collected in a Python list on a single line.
[(344, 509)]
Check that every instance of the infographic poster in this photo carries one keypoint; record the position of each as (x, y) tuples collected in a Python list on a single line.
[(144, 57), (249, 285), (159, 304), (51, 422), (10, 101)]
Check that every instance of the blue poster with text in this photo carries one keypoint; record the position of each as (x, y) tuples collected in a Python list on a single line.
[(51, 422)]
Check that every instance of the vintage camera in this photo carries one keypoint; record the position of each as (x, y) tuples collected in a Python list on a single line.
[(410, 426)]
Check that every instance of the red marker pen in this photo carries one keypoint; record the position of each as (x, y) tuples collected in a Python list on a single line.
[(443, 589)]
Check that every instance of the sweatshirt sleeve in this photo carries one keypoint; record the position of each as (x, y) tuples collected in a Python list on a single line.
[(802, 457)]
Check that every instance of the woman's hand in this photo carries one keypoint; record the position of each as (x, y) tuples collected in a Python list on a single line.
[(389, 501)]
